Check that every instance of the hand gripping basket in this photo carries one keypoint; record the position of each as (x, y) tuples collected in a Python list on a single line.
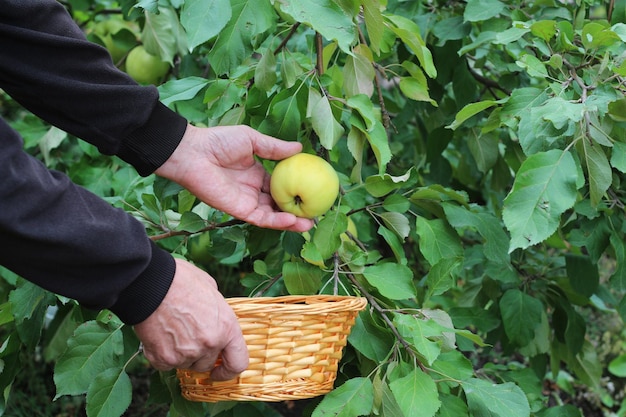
[(295, 344)]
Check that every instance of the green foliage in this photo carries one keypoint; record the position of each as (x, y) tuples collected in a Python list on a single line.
[(481, 150)]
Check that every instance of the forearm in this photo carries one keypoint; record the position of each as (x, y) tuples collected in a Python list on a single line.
[(73, 243), (48, 65)]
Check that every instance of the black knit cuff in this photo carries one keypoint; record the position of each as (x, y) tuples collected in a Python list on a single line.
[(148, 147), (141, 298)]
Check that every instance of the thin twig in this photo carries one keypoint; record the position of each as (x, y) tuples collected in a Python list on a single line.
[(211, 226), (268, 286), (372, 301), (293, 30)]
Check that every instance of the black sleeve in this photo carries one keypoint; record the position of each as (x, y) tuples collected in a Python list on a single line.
[(48, 66), (52, 232)]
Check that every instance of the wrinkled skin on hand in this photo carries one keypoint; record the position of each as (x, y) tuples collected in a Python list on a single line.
[(192, 326), (218, 166)]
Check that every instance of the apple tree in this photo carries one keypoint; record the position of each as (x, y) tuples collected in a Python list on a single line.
[(481, 151)]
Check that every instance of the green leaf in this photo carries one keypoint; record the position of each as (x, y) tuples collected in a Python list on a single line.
[(443, 275), (545, 186), (374, 23), (521, 314), (533, 66), (181, 89), (358, 75), (582, 273), (469, 111), (488, 226), (585, 364), (480, 10), (618, 156), (328, 231), (365, 119), (416, 394), (250, 18), (26, 299), (617, 110), (383, 184), (495, 400), (393, 280), (617, 366), (618, 278), (396, 222), (510, 35), (389, 406), (452, 406), (394, 243), (109, 394), (191, 222), (354, 398), (162, 35), (312, 255), (323, 122), (265, 72), (416, 89), (437, 240), (567, 410), (371, 339), (285, 114), (325, 17), (204, 19), (453, 365), (29, 303), (598, 168), (421, 334), (596, 35), (408, 31), (545, 29), (397, 203), (92, 349), (301, 278), (484, 149), (521, 101)]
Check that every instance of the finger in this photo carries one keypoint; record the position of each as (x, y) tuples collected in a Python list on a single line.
[(235, 360), (268, 147), (203, 364), (279, 220)]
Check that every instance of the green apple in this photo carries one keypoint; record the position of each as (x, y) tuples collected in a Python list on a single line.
[(144, 67), (305, 185), (199, 247)]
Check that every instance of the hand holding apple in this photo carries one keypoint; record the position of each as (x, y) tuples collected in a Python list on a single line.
[(305, 185), (218, 166)]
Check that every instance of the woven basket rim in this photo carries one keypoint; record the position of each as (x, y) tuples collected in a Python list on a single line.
[(302, 304)]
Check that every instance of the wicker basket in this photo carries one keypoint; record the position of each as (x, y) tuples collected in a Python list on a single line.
[(295, 344)]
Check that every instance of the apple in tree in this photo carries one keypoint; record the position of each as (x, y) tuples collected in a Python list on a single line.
[(305, 185), (144, 67)]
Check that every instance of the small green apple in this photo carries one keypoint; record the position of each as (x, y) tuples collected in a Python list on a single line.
[(144, 67), (305, 185), (199, 247)]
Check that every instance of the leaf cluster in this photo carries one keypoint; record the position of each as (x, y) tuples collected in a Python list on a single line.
[(480, 147)]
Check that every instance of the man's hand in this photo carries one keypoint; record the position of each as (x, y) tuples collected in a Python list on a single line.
[(192, 326), (217, 165)]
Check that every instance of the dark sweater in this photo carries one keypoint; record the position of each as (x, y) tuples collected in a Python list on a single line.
[(53, 232)]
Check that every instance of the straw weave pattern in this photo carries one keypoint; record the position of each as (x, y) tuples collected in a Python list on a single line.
[(295, 344)]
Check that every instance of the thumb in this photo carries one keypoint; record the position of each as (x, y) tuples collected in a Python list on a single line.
[(268, 147)]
